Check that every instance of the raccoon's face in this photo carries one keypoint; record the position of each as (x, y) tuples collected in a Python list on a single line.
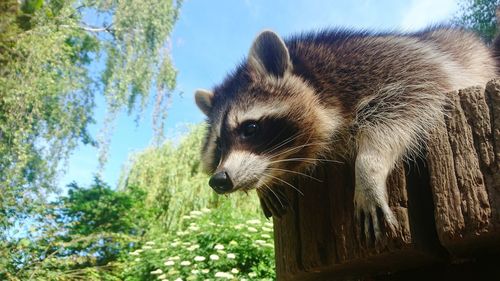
[(265, 124)]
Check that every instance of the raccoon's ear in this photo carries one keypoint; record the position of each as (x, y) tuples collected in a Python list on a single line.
[(203, 100), (269, 55)]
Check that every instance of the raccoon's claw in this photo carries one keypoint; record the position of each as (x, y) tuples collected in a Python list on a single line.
[(373, 218), (273, 203), (265, 208)]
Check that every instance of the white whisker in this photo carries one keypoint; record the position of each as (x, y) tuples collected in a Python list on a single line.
[(286, 141), (285, 182), (275, 195), (297, 147), (309, 160), (295, 172)]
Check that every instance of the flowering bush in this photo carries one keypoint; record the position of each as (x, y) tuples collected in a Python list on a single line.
[(211, 245)]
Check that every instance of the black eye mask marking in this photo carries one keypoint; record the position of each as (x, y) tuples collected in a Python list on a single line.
[(206, 141), (249, 129), (273, 134), (217, 154)]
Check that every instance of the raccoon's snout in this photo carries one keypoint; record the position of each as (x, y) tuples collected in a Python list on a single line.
[(221, 182)]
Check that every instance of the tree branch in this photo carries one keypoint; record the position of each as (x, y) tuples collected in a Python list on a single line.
[(94, 29)]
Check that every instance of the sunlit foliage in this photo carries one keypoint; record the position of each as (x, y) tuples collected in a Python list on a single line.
[(172, 176), (56, 56), (479, 15)]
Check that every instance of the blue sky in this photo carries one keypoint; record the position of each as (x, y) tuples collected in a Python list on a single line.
[(212, 36)]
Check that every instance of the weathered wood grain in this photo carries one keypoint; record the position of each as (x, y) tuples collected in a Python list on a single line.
[(492, 171), (447, 205)]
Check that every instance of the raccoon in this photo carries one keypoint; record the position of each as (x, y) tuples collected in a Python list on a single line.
[(366, 98)]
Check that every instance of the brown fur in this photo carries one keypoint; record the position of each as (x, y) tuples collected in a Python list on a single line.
[(369, 97)]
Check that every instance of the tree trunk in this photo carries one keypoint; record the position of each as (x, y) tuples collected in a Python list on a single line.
[(447, 205)]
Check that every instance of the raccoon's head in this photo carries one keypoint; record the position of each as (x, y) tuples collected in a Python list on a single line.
[(265, 124)]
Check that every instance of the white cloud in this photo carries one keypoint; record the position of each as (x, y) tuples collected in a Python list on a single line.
[(423, 13)]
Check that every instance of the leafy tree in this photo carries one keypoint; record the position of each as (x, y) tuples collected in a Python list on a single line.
[(96, 233), (103, 211), (81, 236), (191, 222), (478, 15), (175, 184), (55, 57)]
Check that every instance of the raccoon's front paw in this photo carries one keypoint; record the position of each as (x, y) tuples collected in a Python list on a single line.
[(373, 217), (273, 202)]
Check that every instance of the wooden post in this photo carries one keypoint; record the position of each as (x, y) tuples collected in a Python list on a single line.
[(447, 205)]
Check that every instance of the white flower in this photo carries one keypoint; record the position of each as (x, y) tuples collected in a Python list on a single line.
[(224, 275), (186, 243), (199, 258), (267, 236), (269, 245), (260, 242), (162, 277), (185, 263), (253, 222), (193, 228), (150, 243), (268, 224), (193, 247), (147, 247), (235, 271), (267, 229), (173, 272), (178, 279), (195, 213), (205, 210), (205, 271), (137, 259), (169, 263), (176, 258), (252, 229), (195, 271), (134, 253), (186, 217), (219, 247), (252, 274), (239, 226), (231, 256), (157, 272), (214, 257), (174, 244), (233, 243)]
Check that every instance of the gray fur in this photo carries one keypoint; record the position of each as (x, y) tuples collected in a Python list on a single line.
[(370, 98)]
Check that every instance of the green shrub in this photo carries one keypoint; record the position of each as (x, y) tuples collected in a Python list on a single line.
[(174, 183), (147, 230), (210, 245)]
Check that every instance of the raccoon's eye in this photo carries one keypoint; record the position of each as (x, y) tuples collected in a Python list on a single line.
[(249, 129)]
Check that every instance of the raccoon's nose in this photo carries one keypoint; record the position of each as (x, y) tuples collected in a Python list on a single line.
[(221, 182)]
